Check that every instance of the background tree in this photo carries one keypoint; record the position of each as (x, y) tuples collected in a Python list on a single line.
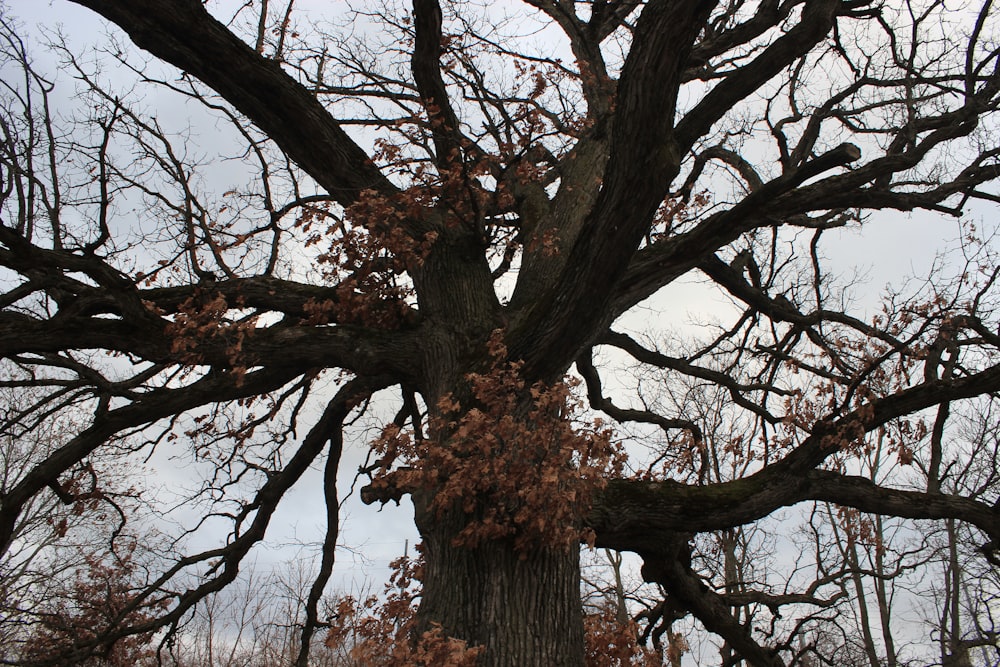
[(475, 247), (70, 555), (255, 622)]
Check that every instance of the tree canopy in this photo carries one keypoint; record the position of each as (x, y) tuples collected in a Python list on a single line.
[(485, 215)]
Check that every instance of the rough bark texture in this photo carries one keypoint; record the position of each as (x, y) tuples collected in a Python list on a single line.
[(523, 607)]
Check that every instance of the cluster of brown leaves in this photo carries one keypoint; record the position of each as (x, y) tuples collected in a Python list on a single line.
[(367, 255), (675, 212), (86, 493), (611, 643), (381, 634), (202, 319), (100, 598), (318, 312), (514, 461), (859, 528)]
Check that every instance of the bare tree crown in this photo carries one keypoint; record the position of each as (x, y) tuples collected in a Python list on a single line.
[(457, 209)]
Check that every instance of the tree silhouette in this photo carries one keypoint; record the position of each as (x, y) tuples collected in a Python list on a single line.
[(439, 207)]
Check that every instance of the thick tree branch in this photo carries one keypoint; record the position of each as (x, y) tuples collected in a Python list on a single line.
[(426, 67), (769, 14), (155, 405), (184, 34), (661, 263), (606, 17), (585, 42), (817, 20), (712, 610), (334, 431), (359, 349), (225, 561), (635, 515), (643, 161)]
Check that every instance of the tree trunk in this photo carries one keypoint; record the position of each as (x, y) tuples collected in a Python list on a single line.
[(523, 607)]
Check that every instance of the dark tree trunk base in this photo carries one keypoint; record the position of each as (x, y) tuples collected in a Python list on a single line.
[(523, 608)]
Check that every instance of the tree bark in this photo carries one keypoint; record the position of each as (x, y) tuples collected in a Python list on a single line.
[(523, 608)]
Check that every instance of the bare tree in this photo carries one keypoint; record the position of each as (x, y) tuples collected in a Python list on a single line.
[(255, 622), (68, 540), (435, 206)]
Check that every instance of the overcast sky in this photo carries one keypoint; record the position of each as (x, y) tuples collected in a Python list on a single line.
[(893, 246)]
